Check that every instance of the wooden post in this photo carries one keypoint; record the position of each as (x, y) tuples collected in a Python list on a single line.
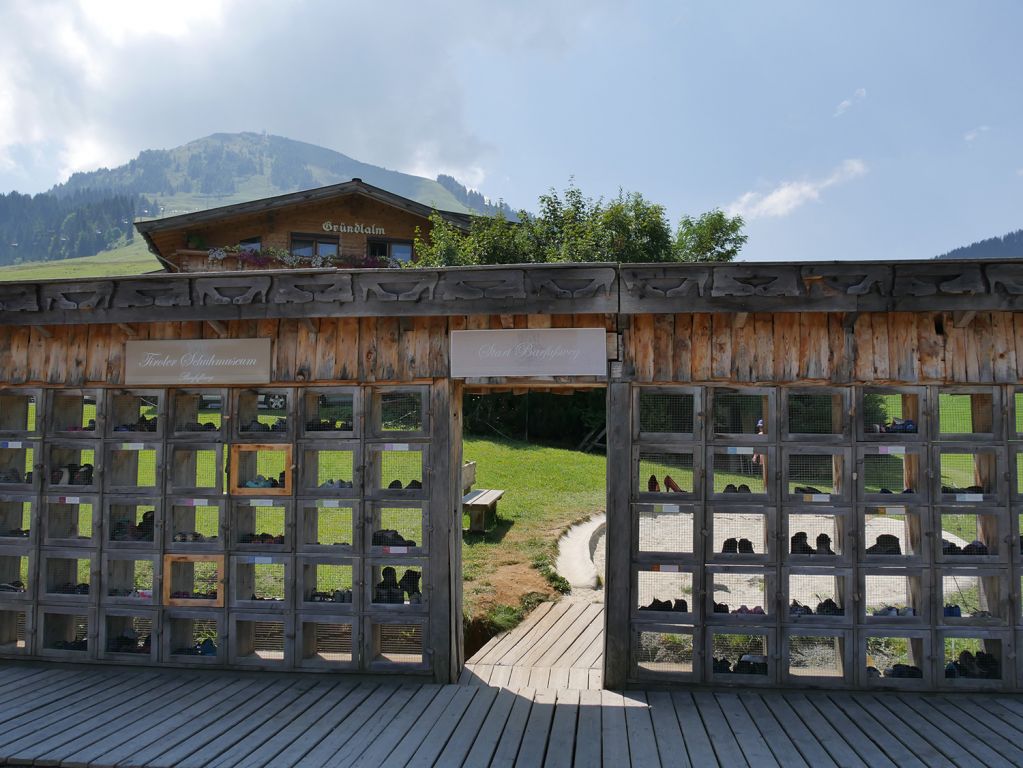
[(619, 535), (445, 565)]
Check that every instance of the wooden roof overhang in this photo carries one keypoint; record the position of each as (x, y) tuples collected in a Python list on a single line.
[(963, 286), (254, 208)]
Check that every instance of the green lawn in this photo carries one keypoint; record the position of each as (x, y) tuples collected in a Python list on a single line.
[(546, 490), (132, 259)]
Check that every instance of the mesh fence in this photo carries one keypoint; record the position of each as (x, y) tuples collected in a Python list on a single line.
[(66, 575), (328, 468), (815, 535), (972, 657), (13, 630), (68, 518), (260, 522), (736, 413), (397, 584), (665, 652), (665, 528), (15, 576), (15, 518), (131, 412), (894, 657), (131, 522), (665, 591), (259, 581), (329, 412), (739, 471), (891, 413), (891, 596), (666, 472), (672, 413), (324, 524), (195, 523), (891, 533), (400, 470), (815, 414), (195, 580), (401, 412), (200, 468), (73, 412), (65, 631), (330, 642), (890, 473), (191, 636), (196, 412), (395, 526), (811, 656), (263, 411), (398, 643), (739, 653), (129, 577), (18, 413), (327, 582), (129, 634), (968, 473), (964, 414), (815, 595), (740, 594), (739, 533), (811, 474), (971, 597)]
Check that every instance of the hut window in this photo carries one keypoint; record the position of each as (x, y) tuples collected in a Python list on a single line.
[(310, 246), (397, 251)]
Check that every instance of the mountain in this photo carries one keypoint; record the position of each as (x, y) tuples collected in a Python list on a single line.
[(93, 211), (1008, 246)]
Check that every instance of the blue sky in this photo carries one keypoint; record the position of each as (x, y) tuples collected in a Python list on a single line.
[(869, 130)]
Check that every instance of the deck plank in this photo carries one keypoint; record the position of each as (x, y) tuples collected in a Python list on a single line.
[(582, 624), (579, 679), (442, 727), (614, 734), (539, 677), (51, 745), (795, 730), (782, 747), (587, 738), (514, 729), (33, 727), (280, 722), (976, 721), (354, 747), (170, 753), (671, 747), (500, 677), (918, 745), (981, 744), (53, 694), (495, 653), (558, 678), (535, 739), (725, 745), (304, 743), (594, 632), (408, 740), (526, 652), (860, 740), (331, 741), (924, 730), (830, 739), (490, 732), (694, 733), (156, 726), (562, 734), (894, 750), (992, 708), (462, 738), (640, 730), (751, 741), (387, 740), (197, 694)]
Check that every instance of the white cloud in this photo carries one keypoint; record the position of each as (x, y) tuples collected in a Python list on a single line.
[(845, 104), (790, 195), (974, 133)]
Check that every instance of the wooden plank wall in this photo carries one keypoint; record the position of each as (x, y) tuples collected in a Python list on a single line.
[(906, 347), (314, 350)]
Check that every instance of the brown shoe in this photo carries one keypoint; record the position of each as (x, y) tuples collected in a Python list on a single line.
[(652, 485), (671, 485)]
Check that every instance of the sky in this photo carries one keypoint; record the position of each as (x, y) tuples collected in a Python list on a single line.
[(838, 131)]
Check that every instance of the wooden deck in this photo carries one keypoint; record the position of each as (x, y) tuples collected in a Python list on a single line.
[(559, 645), (54, 714)]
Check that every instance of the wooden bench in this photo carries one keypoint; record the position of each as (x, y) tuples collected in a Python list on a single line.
[(481, 506)]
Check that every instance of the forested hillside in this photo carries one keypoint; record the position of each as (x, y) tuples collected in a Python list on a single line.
[(93, 211), (1008, 246)]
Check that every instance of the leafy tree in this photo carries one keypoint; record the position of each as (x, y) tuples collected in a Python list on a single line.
[(570, 227), (712, 237)]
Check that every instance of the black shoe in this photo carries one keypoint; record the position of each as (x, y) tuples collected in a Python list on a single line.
[(886, 544), (721, 608), (799, 545), (746, 547), (730, 547), (721, 665), (829, 607), (950, 548), (680, 605), (824, 545), (975, 547)]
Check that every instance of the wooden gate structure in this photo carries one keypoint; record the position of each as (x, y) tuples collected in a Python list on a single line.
[(814, 471)]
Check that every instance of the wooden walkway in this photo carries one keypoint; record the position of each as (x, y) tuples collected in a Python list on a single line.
[(559, 645), (56, 714)]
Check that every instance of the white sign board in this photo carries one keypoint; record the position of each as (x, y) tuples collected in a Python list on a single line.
[(539, 352), (195, 362)]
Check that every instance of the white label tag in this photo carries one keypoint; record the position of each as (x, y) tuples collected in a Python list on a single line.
[(672, 508), (397, 447), (261, 502), (739, 451), (893, 450), (262, 560), (10, 444), (892, 510), (969, 497), (330, 504), (666, 568), (69, 500), (817, 497), (396, 550), (133, 446)]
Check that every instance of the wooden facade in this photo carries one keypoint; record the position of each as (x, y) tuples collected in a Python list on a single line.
[(694, 335)]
